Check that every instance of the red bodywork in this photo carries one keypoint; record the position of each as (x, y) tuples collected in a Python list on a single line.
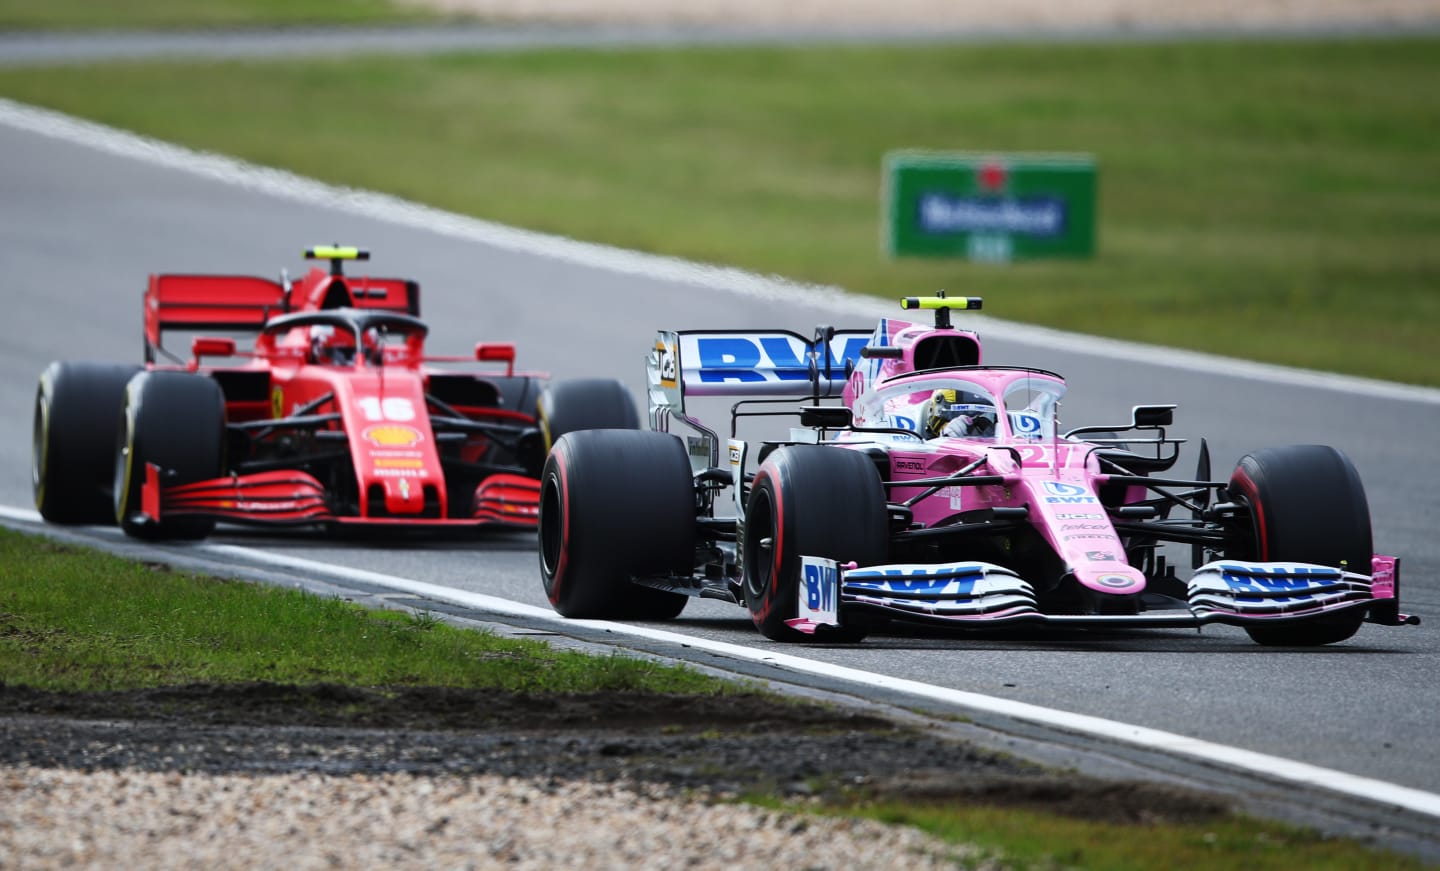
[(337, 417)]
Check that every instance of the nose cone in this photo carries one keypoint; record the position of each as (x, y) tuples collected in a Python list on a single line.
[(403, 497), (1110, 577)]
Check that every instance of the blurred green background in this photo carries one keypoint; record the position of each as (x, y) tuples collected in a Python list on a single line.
[(1270, 200)]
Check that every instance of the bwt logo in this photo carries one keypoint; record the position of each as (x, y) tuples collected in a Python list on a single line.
[(766, 358), (820, 584), (1293, 579), (917, 581), (1067, 494)]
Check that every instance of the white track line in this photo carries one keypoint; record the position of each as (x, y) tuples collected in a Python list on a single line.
[(381, 207), (1276, 767)]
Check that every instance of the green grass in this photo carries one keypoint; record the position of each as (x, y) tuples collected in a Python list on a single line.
[(161, 14), (78, 620), (1028, 840), (1273, 201), (1045, 841)]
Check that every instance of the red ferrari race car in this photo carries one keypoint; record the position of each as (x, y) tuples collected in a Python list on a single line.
[(337, 416)]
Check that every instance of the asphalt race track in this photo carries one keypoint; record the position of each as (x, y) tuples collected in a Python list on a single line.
[(80, 228)]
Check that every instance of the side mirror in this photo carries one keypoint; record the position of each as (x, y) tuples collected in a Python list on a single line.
[(204, 346), (497, 352), (825, 416), (1152, 415), (884, 352)]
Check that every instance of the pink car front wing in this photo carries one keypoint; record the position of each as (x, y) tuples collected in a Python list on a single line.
[(1233, 592)]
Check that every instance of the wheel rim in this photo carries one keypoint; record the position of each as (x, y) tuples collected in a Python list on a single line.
[(552, 529), (1254, 548), (40, 448), (760, 571), (125, 449), (544, 423)]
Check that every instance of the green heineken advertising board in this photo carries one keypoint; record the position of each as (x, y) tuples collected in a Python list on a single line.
[(989, 207)]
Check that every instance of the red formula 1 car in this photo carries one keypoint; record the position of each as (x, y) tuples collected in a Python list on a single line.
[(336, 417)]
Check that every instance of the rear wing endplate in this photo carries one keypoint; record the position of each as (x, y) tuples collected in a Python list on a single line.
[(748, 363)]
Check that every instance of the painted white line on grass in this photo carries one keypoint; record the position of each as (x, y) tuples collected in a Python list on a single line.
[(1411, 799), (382, 207)]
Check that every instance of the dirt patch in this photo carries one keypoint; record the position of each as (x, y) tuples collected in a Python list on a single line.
[(726, 745), (432, 708)]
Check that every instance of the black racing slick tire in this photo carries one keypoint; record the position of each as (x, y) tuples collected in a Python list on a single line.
[(808, 500), (1307, 504), (517, 392), (175, 420), (616, 505), (72, 461), (585, 403)]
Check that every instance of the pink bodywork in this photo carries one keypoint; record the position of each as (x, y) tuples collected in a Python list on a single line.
[(1055, 478)]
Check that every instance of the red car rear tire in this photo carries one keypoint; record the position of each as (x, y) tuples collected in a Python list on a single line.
[(72, 464)]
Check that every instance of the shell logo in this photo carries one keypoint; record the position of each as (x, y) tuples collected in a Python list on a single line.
[(392, 435)]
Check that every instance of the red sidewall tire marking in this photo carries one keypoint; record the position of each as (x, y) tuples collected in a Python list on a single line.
[(777, 546), (562, 561), (1257, 511)]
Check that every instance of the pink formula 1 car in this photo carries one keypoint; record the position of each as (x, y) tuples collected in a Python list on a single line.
[(940, 490), (338, 416)]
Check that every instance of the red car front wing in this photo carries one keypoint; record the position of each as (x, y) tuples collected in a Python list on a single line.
[(293, 498)]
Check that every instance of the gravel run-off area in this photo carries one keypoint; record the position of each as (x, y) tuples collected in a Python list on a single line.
[(273, 776)]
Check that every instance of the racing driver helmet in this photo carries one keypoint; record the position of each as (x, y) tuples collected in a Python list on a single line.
[(953, 413), (332, 346)]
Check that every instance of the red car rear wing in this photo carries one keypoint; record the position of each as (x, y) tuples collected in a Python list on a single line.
[(245, 303)]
